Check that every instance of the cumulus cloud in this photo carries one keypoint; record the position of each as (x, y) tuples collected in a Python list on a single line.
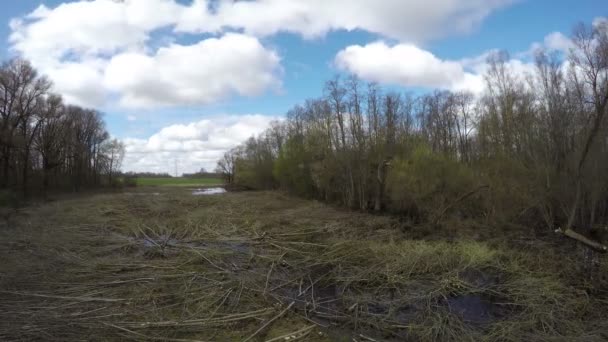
[(195, 74), (557, 41), (406, 65), (85, 46), (601, 22), (553, 42), (95, 50), (411, 20), (409, 66), (194, 145)]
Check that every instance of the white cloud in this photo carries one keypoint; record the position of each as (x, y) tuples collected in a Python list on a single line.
[(600, 22), (195, 74), (194, 145), (90, 27), (553, 42), (82, 42), (80, 83), (96, 50), (411, 20), (557, 41), (409, 66), (406, 65)]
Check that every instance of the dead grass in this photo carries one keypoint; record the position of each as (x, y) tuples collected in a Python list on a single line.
[(263, 266)]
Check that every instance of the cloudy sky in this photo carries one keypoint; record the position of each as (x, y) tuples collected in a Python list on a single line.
[(184, 80)]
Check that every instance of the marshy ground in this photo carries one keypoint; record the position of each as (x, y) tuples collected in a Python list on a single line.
[(162, 264)]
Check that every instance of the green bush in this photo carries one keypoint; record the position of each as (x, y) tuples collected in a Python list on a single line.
[(514, 187), (9, 198), (426, 183), (129, 182), (292, 169)]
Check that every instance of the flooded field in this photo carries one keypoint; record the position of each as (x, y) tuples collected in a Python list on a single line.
[(261, 266), (208, 191)]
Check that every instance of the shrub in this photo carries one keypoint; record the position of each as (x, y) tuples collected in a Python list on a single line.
[(426, 183), (292, 169)]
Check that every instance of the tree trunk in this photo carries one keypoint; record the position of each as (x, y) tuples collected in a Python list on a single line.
[(380, 179), (45, 179), (24, 171), (5, 168)]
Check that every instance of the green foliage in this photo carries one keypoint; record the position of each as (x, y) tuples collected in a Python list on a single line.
[(292, 168), (427, 182), (514, 187), (129, 182), (175, 181), (8, 198), (245, 174), (254, 175)]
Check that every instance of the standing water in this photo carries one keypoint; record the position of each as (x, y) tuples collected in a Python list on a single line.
[(208, 191)]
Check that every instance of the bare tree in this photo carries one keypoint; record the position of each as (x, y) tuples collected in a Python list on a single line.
[(589, 76), (226, 165), (114, 152)]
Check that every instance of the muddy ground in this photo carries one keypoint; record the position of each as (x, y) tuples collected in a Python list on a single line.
[(164, 264)]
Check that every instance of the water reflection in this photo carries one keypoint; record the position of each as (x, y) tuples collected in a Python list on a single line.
[(208, 191)]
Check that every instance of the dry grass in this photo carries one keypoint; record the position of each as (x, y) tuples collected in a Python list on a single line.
[(262, 266)]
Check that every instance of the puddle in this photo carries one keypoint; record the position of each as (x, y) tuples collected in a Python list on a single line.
[(473, 308), (208, 191)]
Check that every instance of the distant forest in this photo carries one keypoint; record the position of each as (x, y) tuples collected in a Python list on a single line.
[(47, 144), (532, 150), (200, 174)]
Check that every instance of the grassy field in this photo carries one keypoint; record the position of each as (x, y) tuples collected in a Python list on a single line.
[(178, 181), (161, 264)]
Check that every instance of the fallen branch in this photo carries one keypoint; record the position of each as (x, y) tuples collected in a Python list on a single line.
[(82, 299), (293, 335), (458, 200), (268, 277), (265, 325), (583, 239)]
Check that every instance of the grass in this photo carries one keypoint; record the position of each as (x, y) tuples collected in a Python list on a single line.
[(160, 264), (178, 181)]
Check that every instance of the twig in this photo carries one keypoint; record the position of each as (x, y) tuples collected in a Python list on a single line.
[(268, 277), (83, 299), (269, 322), (459, 199), (367, 338), (151, 337), (293, 335)]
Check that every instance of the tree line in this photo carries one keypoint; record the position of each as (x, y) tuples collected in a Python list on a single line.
[(46, 143), (532, 149)]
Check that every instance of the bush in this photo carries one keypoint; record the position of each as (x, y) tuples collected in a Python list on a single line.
[(514, 187), (9, 198), (426, 183), (292, 169), (129, 182)]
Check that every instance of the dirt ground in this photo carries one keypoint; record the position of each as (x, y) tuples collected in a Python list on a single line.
[(162, 264)]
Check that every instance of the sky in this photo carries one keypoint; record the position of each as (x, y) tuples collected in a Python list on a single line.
[(182, 81)]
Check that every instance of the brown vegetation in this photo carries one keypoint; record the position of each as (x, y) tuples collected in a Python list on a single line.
[(261, 266), (45, 143), (531, 151)]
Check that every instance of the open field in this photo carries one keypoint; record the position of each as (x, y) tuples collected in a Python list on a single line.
[(161, 264), (177, 181)]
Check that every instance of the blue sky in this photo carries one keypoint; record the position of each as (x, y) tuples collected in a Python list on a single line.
[(306, 58)]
